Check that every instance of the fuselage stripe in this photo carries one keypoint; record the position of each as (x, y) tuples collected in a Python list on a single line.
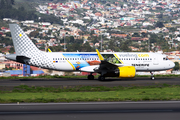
[(70, 63)]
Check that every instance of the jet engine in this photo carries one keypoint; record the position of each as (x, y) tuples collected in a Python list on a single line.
[(122, 72)]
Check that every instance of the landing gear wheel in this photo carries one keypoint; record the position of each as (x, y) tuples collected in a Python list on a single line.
[(152, 75), (152, 78), (90, 77), (101, 78)]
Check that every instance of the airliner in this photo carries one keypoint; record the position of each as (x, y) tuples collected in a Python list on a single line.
[(107, 64)]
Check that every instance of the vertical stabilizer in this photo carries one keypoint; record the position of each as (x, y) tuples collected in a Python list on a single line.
[(22, 44), (25, 49)]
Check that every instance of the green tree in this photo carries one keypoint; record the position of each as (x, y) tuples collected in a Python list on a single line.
[(125, 46), (34, 34), (12, 2), (11, 50), (8, 34), (2, 4), (136, 35), (176, 67), (86, 48), (159, 24)]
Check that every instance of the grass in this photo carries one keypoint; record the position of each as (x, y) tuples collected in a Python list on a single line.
[(24, 93)]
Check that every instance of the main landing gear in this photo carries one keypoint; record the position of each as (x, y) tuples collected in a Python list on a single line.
[(101, 78), (91, 77), (152, 75)]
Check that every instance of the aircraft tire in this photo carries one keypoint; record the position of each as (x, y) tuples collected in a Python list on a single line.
[(152, 78), (101, 78), (90, 77)]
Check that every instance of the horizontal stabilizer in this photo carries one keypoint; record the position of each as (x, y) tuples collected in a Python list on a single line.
[(18, 58)]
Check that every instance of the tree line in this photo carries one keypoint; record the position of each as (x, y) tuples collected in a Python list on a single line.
[(8, 11)]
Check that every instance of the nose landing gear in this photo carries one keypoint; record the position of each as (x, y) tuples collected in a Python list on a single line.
[(152, 75)]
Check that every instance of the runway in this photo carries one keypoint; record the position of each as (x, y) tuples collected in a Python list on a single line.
[(71, 82), (90, 110), (149, 110)]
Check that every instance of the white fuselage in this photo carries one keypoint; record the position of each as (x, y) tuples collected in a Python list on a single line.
[(74, 61)]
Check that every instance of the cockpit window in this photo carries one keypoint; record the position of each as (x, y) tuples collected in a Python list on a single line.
[(165, 58)]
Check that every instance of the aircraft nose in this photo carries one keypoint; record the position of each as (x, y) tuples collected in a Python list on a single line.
[(172, 64)]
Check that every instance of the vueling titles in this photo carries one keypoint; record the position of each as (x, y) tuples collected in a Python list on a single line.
[(133, 55)]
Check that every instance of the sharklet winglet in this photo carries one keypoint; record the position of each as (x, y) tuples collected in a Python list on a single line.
[(99, 55), (49, 50)]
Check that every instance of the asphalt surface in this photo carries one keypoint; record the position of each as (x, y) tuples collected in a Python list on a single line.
[(161, 110), (70, 82), (156, 110)]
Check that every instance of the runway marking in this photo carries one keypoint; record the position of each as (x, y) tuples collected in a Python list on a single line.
[(91, 103)]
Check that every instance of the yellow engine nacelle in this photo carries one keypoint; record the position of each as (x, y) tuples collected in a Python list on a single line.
[(122, 72), (127, 72)]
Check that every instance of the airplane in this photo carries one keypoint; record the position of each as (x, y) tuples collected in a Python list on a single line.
[(107, 64)]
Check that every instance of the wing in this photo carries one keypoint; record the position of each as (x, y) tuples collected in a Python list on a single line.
[(103, 66)]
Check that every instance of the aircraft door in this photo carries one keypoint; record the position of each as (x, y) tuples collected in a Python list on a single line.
[(155, 60)]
